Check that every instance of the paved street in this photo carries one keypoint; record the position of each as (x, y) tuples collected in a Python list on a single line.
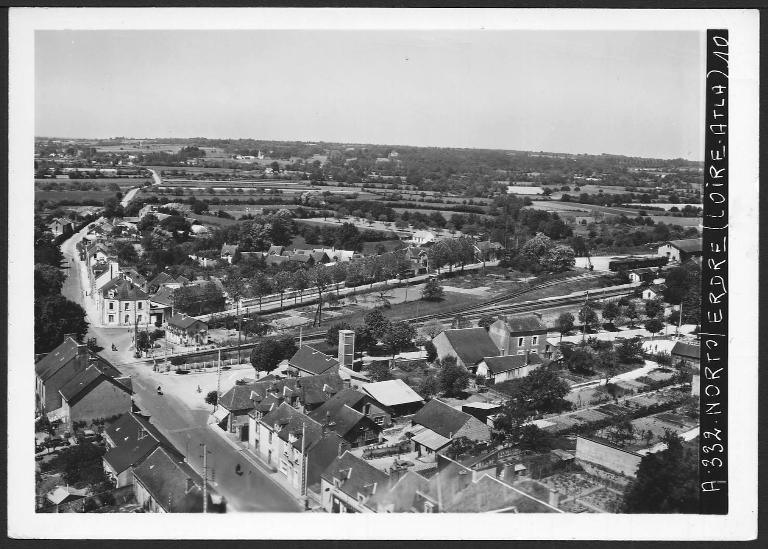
[(180, 413)]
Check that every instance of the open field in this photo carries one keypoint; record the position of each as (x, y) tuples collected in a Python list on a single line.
[(123, 182), (73, 196)]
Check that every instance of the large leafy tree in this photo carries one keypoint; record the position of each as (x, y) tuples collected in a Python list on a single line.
[(453, 379), (667, 481), (540, 391), (399, 336), (377, 323), (432, 291), (269, 352), (56, 316)]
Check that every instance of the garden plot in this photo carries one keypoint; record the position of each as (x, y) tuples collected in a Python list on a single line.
[(609, 501)]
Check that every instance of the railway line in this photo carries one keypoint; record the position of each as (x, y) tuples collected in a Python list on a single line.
[(498, 305)]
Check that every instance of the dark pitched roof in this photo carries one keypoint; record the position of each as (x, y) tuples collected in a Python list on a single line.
[(313, 361), (657, 288), (686, 350), (290, 421), (490, 494), (171, 482), (276, 259), (356, 476), (160, 279), (263, 394), (525, 323), (275, 250), (340, 411), (80, 385), (134, 437), (124, 290), (56, 359), (506, 363), (136, 277), (471, 344), (300, 258), (164, 296), (441, 418), (184, 322), (402, 495), (688, 245)]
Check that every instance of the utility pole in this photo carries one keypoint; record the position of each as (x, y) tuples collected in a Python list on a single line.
[(679, 319), (239, 329), (218, 382), (304, 465), (584, 322)]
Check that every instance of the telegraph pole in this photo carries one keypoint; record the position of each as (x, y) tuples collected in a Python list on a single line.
[(304, 465), (218, 382)]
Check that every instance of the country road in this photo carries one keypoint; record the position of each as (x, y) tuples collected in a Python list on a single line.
[(131, 194)]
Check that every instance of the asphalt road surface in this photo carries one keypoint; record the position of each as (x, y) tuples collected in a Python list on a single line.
[(184, 425)]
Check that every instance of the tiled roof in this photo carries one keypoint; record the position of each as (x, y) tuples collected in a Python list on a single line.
[(134, 437), (164, 296), (441, 418), (80, 385), (228, 249), (160, 279), (524, 324), (184, 322), (688, 245), (686, 350), (506, 363), (311, 360), (171, 482), (340, 411), (124, 290), (392, 392), (290, 421), (356, 476), (57, 358), (489, 494), (471, 344), (276, 259)]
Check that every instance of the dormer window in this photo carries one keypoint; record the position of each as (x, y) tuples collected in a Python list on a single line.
[(429, 507), (361, 498)]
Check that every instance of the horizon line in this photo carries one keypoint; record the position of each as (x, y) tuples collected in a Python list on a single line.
[(316, 141)]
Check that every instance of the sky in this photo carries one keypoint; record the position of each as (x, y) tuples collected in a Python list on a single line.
[(635, 93)]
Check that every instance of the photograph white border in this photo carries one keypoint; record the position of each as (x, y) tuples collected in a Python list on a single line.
[(739, 524)]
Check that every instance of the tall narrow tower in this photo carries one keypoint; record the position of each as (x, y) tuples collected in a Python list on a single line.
[(346, 348)]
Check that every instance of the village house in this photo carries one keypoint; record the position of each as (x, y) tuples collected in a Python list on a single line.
[(437, 424), (186, 330), (165, 483), (467, 345), (394, 396), (516, 335), (688, 354), (308, 361), (350, 485), (646, 274), (68, 363), (487, 250), (353, 416), (496, 369), (228, 252), (60, 226), (130, 439), (94, 394), (654, 291), (681, 251), (296, 445), (161, 306), (303, 393), (122, 303), (66, 494), (420, 238)]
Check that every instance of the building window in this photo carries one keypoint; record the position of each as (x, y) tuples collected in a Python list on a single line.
[(521, 352), (111, 318), (520, 341), (127, 319), (141, 305), (378, 420), (111, 305), (127, 306), (533, 351), (361, 498), (138, 318), (534, 340), (270, 437), (428, 507)]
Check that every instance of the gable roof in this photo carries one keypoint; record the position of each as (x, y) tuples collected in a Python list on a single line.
[(184, 322), (309, 359), (688, 245), (356, 476), (392, 392), (68, 360), (228, 249), (82, 384), (402, 495), (441, 418), (160, 279), (167, 478), (524, 323), (124, 290), (134, 437), (340, 411), (687, 350), (57, 358), (290, 421), (506, 363), (164, 296), (275, 250), (276, 259), (490, 494), (471, 344), (267, 394)]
